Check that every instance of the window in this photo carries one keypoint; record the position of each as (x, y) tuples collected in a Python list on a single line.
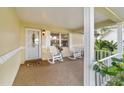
[(59, 39), (54, 39), (64, 40)]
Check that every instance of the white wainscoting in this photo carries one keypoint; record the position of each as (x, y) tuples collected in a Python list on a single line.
[(10, 54)]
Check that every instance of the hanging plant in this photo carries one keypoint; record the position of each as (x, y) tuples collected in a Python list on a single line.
[(105, 45)]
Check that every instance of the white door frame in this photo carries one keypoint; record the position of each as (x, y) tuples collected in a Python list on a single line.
[(26, 39)]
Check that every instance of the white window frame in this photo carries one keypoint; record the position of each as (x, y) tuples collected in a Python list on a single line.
[(60, 39)]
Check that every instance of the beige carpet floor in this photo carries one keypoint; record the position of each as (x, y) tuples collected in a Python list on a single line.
[(38, 73)]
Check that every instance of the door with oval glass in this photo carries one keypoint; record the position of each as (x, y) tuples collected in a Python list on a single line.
[(33, 44)]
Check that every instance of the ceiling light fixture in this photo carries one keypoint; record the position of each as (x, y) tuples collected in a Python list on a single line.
[(43, 32)]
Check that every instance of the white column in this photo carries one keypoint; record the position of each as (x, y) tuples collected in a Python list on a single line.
[(120, 38), (89, 76)]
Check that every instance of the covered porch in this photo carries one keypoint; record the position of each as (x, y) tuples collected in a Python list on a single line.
[(69, 28)]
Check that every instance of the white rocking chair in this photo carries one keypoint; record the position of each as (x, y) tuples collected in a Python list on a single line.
[(53, 55), (76, 53)]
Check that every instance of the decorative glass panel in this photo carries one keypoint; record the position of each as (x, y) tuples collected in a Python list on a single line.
[(54, 39), (33, 39)]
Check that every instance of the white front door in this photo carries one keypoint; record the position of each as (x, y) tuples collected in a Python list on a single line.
[(33, 44)]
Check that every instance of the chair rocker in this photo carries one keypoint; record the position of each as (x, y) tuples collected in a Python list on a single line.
[(76, 53), (54, 55)]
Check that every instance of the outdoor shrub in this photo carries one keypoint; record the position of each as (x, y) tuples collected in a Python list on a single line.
[(105, 45), (116, 71)]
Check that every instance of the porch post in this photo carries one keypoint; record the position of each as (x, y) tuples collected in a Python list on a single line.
[(120, 38), (89, 75)]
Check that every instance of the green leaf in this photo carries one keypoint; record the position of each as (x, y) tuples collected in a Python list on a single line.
[(112, 70), (96, 68)]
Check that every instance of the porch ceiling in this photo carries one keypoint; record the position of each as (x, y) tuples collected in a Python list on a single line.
[(69, 17), (119, 11)]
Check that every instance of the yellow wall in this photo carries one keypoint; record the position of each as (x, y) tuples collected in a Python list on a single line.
[(76, 40), (44, 39), (9, 40), (9, 30)]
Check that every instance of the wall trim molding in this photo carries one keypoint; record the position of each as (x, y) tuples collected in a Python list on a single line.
[(8, 55)]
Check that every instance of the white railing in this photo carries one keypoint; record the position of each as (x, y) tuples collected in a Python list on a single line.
[(102, 80), (100, 54)]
